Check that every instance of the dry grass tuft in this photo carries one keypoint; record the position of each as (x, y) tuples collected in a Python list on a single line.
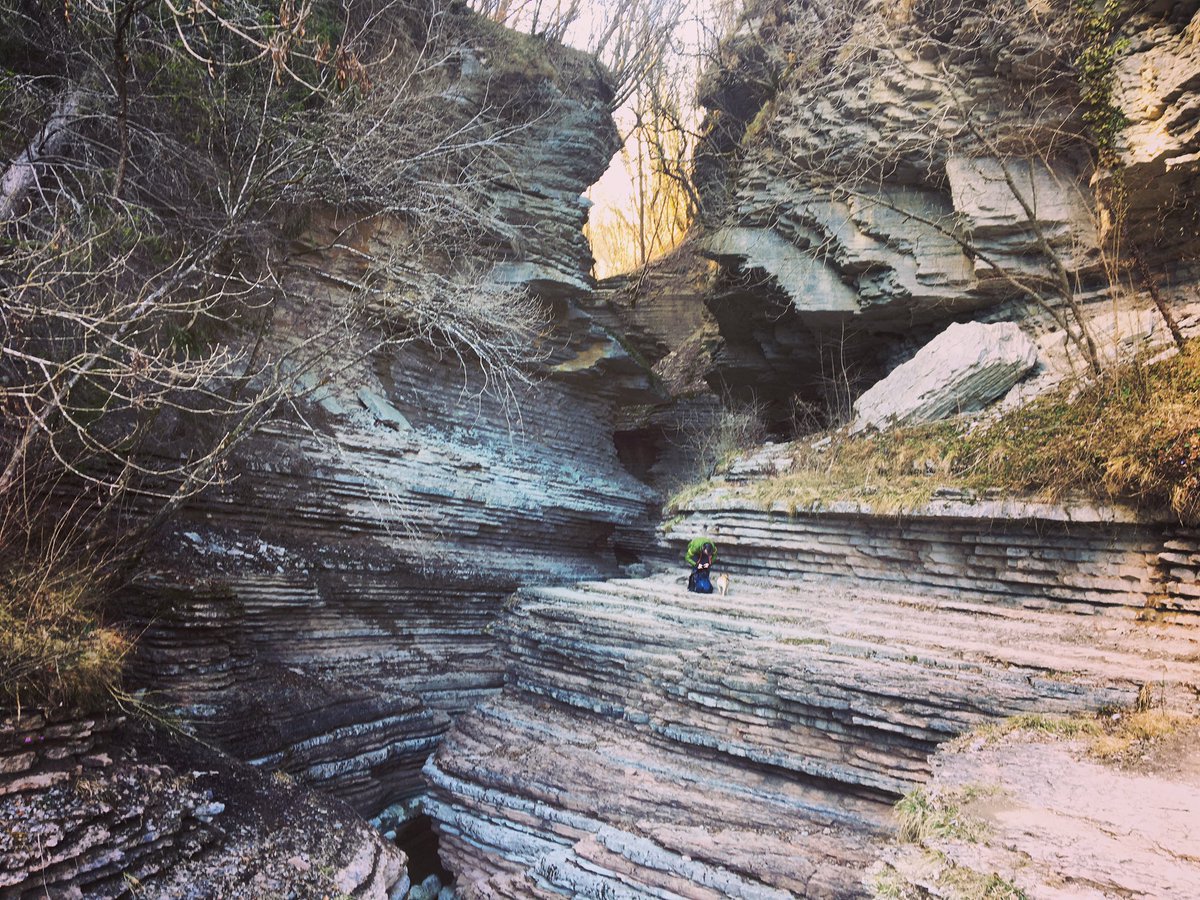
[(1113, 736), (1064, 727), (1129, 734), (922, 817), (54, 650)]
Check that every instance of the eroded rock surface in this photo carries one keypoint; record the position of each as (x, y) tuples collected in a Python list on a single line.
[(871, 176), (1045, 817), (326, 610), (648, 739), (97, 808), (1075, 556)]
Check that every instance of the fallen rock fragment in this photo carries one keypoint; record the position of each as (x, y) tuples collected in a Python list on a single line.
[(963, 369)]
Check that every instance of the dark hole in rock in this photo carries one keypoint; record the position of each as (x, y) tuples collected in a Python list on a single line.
[(625, 554), (417, 838), (638, 450)]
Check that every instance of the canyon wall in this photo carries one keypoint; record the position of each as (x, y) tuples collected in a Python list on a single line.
[(342, 606), (328, 610), (653, 742), (325, 610), (874, 172)]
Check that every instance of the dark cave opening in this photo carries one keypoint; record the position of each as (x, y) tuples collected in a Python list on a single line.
[(639, 450), (419, 841)]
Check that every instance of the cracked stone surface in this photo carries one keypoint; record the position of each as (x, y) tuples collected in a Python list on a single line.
[(1058, 823)]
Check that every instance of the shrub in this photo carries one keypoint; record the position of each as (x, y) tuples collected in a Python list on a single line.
[(1131, 436), (735, 429)]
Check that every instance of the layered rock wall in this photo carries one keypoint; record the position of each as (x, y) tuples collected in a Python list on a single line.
[(889, 170), (87, 815), (1084, 558), (651, 741), (327, 609)]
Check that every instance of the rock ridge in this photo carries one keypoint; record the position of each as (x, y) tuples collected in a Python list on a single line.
[(866, 192)]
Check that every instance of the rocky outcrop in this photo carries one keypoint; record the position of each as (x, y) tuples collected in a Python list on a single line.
[(1033, 811), (326, 609), (1154, 86), (1045, 555), (661, 307), (892, 170), (87, 815), (963, 369), (750, 745)]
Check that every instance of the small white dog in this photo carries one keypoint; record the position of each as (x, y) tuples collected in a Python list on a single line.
[(723, 584)]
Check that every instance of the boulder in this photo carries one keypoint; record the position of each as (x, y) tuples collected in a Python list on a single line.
[(963, 369)]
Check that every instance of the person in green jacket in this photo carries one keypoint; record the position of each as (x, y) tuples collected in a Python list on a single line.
[(700, 554), (695, 548)]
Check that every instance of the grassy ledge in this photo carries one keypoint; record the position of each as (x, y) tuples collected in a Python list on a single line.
[(1132, 437), (55, 650)]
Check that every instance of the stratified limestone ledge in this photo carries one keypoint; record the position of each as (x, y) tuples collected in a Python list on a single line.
[(1086, 558), (829, 191), (651, 742)]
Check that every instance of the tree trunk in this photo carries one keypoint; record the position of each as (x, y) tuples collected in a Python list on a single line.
[(1152, 286)]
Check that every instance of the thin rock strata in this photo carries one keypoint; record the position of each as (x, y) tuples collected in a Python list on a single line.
[(1081, 557), (651, 742), (87, 815), (863, 175), (963, 369), (326, 611)]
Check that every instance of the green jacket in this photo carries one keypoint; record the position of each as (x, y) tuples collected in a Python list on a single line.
[(695, 546)]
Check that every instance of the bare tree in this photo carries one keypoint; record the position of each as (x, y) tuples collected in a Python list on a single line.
[(660, 123), (632, 38), (145, 260), (657, 158), (162, 160)]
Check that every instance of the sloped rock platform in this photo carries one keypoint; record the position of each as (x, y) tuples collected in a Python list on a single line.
[(1046, 818), (651, 742)]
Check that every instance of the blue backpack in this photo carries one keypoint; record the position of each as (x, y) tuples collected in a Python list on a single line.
[(699, 582)]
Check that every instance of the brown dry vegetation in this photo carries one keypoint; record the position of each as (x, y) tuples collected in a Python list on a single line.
[(1115, 736), (54, 646), (1132, 436)]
